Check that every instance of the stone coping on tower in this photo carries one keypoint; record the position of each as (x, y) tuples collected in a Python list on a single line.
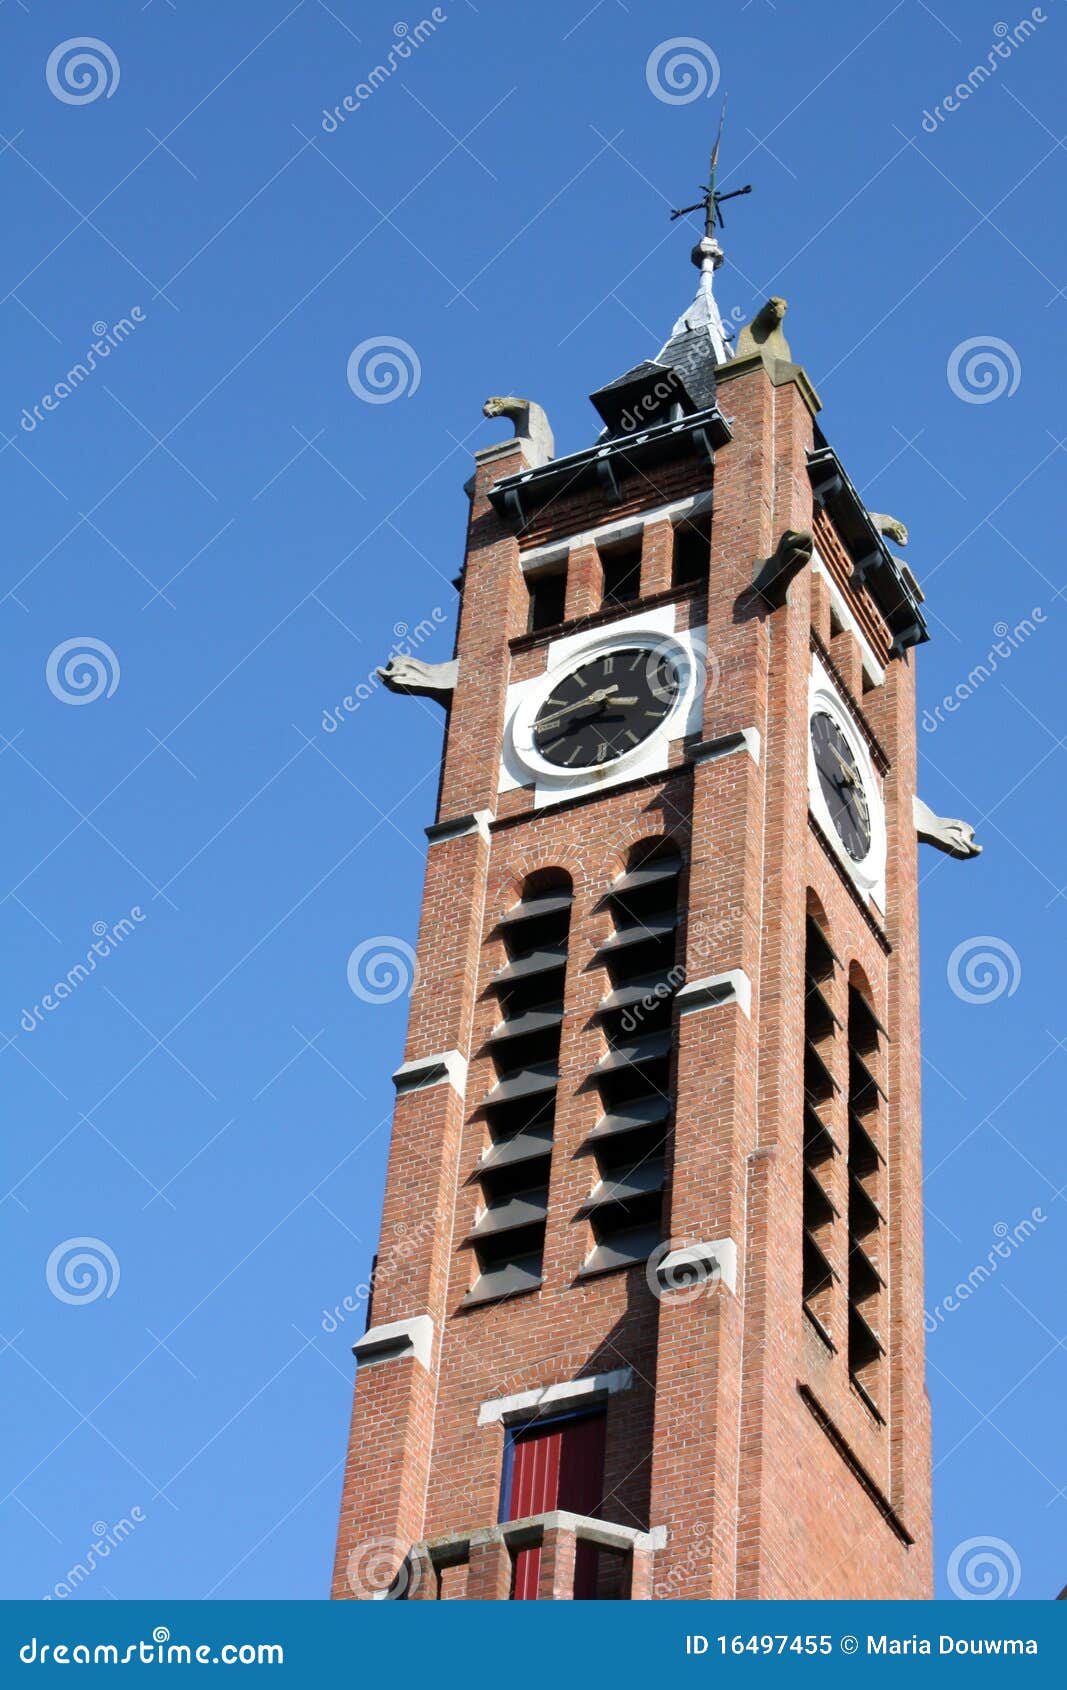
[(890, 582), (515, 497)]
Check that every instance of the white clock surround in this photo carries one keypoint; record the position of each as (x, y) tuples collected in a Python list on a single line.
[(868, 875), (521, 764)]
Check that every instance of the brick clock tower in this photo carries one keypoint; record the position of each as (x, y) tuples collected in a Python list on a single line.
[(647, 1314)]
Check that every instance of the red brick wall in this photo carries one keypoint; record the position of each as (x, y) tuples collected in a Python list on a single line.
[(761, 1495)]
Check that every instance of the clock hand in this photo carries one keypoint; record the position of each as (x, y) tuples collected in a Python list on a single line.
[(595, 698), (847, 769)]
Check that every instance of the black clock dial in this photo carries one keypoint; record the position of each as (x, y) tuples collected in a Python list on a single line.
[(604, 707), (842, 785)]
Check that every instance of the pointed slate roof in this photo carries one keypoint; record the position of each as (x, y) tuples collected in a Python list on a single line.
[(682, 373)]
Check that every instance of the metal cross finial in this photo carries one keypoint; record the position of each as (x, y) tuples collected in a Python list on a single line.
[(711, 200)]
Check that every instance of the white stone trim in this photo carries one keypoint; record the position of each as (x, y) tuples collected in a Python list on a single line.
[(744, 739), (448, 1068), (457, 827), (718, 1258), (871, 666), (451, 1546), (538, 556), (521, 765), (395, 1341), (867, 876), (732, 986), (555, 1399)]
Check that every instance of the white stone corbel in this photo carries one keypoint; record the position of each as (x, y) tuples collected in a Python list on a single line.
[(681, 1269), (396, 1340), (734, 986), (449, 1068)]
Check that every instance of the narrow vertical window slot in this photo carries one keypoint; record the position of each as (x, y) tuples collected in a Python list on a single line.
[(633, 1076), (509, 1233), (867, 1239), (820, 1216)]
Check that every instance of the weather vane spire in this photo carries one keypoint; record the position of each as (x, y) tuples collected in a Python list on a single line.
[(707, 255), (710, 201)]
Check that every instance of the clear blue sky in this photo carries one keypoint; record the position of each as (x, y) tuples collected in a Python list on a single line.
[(217, 507)]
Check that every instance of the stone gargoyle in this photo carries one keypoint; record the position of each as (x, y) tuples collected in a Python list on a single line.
[(791, 555), (765, 333), (416, 679), (532, 426), (890, 527), (945, 833)]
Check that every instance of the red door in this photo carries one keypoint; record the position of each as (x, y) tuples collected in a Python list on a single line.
[(560, 1465)]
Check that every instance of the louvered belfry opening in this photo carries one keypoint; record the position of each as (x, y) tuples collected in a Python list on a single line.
[(821, 1031), (509, 1235), (867, 1253), (633, 1077)]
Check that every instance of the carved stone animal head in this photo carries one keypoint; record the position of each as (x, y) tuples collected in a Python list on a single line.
[(532, 426), (770, 315), (416, 679), (504, 405), (959, 838), (765, 333), (944, 833), (890, 526), (792, 554)]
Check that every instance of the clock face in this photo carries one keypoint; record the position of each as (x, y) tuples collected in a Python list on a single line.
[(842, 785), (601, 709)]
